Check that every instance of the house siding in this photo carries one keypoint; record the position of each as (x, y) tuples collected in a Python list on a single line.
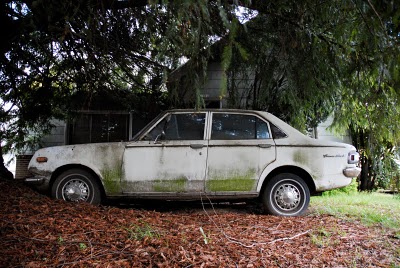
[(212, 87), (57, 135), (323, 133)]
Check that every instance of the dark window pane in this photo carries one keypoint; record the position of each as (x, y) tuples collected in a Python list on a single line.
[(238, 127), (99, 128), (80, 130), (185, 127), (180, 127), (118, 127), (139, 123), (92, 128), (277, 133), (262, 129)]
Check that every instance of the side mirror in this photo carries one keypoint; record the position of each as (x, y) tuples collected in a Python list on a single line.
[(160, 136)]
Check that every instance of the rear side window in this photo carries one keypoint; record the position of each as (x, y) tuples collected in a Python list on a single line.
[(238, 127), (277, 133)]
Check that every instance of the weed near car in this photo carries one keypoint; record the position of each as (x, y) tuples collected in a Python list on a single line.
[(142, 231)]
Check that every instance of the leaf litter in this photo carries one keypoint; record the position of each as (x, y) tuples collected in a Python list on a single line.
[(37, 231)]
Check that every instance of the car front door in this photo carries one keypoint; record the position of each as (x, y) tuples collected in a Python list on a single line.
[(240, 147), (170, 159)]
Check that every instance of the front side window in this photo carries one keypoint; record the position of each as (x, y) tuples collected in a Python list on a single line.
[(179, 127), (238, 127)]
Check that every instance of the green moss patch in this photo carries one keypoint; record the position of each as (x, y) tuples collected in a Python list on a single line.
[(177, 185), (112, 180), (299, 157), (232, 185)]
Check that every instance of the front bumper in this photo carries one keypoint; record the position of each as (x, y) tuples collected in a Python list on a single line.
[(352, 172), (40, 183), (36, 180)]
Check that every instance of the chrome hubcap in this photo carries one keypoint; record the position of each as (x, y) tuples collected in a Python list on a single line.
[(75, 190), (287, 196)]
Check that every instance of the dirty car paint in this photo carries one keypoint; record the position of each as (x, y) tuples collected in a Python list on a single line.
[(105, 160), (143, 168)]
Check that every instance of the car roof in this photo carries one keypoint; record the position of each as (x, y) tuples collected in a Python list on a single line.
[(214, 110)]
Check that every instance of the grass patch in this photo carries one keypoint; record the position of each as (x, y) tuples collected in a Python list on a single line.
[(368, 208), (323, 238), (141, 232)]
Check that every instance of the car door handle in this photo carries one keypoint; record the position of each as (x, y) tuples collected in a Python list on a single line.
[(265, 145), (196, 146)]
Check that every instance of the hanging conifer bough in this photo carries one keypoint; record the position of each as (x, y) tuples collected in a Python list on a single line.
[(305, 60)]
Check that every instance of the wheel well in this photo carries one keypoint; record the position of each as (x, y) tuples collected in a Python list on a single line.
[(62, 169), (294, 170)]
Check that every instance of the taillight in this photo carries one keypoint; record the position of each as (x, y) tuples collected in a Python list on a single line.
[(353, 157)]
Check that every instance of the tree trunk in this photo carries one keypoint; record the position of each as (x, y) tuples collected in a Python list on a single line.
[(361, 142), (367, 176), (364, 174), (4, 172)]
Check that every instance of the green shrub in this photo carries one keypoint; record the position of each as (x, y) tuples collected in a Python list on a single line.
[(349, 189)]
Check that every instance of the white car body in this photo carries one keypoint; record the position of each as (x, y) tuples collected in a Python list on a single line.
[(152, 166)]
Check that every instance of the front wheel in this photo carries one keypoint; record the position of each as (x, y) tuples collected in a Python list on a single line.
[(76, 185), (286, 195)]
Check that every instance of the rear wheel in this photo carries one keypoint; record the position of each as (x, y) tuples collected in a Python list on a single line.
[(76, 185), (286, 195)]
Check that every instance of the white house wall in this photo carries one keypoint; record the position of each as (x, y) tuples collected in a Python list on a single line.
[(323, 132), (212, 87)]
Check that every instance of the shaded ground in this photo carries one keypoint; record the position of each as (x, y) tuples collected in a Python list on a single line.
[(36, 231)]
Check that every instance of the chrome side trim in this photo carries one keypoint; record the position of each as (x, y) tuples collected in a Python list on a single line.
[(37, 180)]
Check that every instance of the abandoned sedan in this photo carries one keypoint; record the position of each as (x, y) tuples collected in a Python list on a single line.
[(192, 155)]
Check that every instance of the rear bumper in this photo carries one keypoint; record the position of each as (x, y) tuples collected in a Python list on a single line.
[(351, 172)]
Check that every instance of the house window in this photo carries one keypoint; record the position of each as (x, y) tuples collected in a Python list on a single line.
[(99, 127), (213, 104)]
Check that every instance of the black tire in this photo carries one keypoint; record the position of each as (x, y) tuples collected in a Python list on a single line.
[(286, 194), (76, 185)]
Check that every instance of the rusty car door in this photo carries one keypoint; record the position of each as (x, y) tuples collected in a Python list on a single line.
[(240, 148), (171, 160)]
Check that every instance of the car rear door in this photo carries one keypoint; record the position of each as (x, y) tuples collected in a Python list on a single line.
[(240, 147)]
